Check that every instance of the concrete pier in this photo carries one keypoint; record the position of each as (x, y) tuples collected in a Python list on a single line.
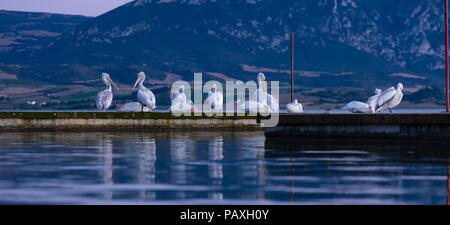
[(318, 126), (118, 121), (362, 126)]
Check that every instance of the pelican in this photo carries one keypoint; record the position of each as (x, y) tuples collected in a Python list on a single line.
[(180, 94), (294, 107), (359, 107), (145, 97), (214, 100), (261, 95), (179, 101), (133, 107), (373, 100), (104, 98), (254, 107), (261, 101), (390, 98)]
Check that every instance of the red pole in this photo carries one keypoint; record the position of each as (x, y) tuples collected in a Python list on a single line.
[(446, 56), (292, 67)]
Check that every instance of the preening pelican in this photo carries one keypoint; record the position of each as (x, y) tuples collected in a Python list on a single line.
[(214, 100), (104, 98), (390, 98), (179, 101), (294, 107), (133, 107), (373, 100), (145, 97), (359, 107)]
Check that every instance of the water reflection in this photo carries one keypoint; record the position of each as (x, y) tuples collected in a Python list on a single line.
[(364, 171), (217, 168)]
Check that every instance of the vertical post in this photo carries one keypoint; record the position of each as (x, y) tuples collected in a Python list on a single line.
[(292, 67), (446, 57)]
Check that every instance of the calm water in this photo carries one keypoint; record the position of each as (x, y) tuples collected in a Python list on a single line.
[(216, 168)]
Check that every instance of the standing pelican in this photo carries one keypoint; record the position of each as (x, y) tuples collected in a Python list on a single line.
[(294, 107), (359, 107), (104, 98), (390, 98), (214, 100), (178, 96), (372, 101), (261, 95), (145, 96), (179, 101)]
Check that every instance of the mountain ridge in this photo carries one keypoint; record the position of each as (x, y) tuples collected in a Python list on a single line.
[(370, 39)]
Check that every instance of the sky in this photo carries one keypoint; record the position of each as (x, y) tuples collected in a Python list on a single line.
[(77, 7)]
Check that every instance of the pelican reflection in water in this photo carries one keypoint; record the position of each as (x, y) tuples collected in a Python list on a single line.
[(147, 168)]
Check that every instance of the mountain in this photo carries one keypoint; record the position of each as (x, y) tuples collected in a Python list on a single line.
[(338, 43), (346, 42), (24, 33)]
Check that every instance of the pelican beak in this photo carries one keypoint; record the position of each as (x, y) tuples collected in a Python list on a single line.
[(137, 81), (111, 82)]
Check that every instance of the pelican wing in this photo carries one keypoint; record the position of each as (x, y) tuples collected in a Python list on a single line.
[(385, 97), (104, 100), (373, 100), (219, 97), (152, 100), (357, 107), (272, 102), (147, 98)]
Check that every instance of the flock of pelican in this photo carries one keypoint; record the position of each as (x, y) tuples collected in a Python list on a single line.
[(387, 99), (260, 101)]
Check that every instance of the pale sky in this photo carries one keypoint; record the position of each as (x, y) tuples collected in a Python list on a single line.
[(78, 7)]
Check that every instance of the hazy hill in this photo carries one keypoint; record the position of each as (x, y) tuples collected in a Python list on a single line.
[(338, 43)]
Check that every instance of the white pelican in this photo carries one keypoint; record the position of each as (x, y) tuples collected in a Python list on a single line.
[(294, 107), (359, 107), (373, 100), (133, 107), (104, 98), (180, 93), (261, 95), (253, 107), (214, 100), (261, 101), (145, 97), (179, 101), (390, 98)]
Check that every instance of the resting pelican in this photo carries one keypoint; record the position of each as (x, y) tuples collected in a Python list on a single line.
[(104, 98), (214, 100), (145, 97), (373, 100), (359, 107), (133, 107), (262, 95), (294, 107), (390, 98)]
